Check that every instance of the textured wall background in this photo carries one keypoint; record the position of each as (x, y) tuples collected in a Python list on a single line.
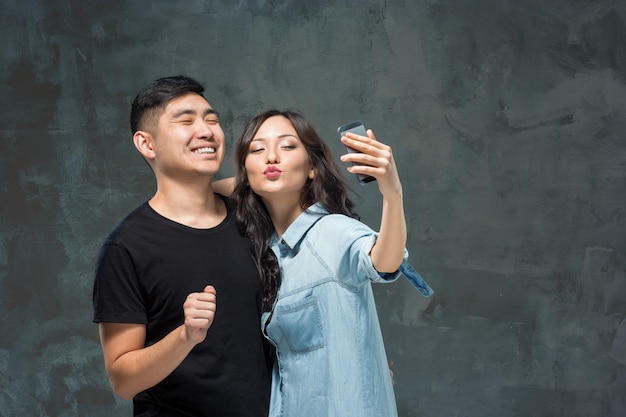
[(507, 118)]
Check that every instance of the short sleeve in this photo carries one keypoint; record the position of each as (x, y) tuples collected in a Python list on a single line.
[(117, 295)]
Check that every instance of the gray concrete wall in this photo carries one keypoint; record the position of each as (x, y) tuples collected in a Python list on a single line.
[(507, 119)]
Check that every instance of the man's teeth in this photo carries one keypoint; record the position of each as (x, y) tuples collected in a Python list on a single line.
[(205, 150)]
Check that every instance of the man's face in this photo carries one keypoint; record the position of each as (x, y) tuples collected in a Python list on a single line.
[(188, 139)]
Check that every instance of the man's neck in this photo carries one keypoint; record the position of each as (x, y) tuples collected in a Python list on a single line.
[(193, 205)]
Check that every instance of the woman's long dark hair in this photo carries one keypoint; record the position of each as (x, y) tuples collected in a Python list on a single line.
[(327, 187)]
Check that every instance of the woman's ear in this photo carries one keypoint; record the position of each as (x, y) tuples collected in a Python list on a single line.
[(311, 173), (144, 142)]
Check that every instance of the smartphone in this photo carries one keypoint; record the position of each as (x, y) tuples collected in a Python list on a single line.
[(358, 128)]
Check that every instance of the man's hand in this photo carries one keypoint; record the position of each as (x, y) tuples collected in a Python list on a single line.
[(390, 363), (199, 310)]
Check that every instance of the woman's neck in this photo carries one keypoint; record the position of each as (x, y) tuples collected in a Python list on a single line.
[(282, 213)]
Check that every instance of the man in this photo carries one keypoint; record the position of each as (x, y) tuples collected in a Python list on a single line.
[(176, 294)]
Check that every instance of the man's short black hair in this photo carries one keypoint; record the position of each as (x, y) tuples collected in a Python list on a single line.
[(156, 95)]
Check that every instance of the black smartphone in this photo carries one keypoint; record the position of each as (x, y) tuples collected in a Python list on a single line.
[(358, 128)]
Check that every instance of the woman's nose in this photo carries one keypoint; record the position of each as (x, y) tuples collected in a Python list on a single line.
[(272, 156)]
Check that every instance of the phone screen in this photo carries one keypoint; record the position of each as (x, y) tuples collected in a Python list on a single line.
[(358, 128)]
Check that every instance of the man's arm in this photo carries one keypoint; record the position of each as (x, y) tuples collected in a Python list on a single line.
[(376, 159), (225, 186), (132, 367)]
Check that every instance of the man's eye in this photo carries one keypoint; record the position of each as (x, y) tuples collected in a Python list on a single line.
[(212, 121)]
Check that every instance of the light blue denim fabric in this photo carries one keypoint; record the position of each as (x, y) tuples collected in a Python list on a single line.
[(331, 360)]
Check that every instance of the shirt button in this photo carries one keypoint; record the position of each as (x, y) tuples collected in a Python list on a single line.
[(282, 241)]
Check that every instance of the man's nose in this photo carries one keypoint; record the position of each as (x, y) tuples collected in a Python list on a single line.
[(205, 131)]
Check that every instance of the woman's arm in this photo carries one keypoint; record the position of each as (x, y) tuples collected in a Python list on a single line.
[(376, 159)]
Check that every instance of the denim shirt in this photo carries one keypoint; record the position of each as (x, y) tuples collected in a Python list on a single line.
[(330, 355)]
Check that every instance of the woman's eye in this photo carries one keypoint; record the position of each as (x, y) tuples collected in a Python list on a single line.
[(256, 150), (288, 147)]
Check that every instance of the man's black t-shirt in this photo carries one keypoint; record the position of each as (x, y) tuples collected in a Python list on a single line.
[(146, 269)]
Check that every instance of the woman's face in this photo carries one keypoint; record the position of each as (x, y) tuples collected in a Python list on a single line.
[(277, 162)]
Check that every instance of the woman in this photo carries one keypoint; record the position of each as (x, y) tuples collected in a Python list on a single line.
[(293, 205)]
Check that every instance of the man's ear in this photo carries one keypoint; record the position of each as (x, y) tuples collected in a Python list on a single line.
[(144, 142)]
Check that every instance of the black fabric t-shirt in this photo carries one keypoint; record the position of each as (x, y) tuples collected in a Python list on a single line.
[(146, 268)]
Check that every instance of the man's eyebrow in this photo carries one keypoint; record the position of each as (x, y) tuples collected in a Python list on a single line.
[(184, 112)]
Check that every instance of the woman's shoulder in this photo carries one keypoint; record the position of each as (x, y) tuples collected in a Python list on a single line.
[(336, 218), (344, 224)]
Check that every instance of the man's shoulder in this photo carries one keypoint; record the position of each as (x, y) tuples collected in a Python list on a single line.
[(230, 202), (139, 215)]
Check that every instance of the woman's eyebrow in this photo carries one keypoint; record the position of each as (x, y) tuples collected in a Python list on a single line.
[(282, 136)]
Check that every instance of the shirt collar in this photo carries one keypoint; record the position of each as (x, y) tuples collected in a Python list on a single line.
[(296, 230)]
